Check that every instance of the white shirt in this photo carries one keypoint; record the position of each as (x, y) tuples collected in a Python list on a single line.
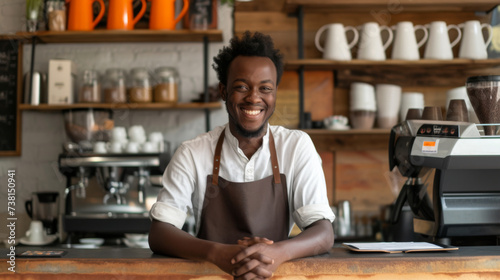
[(185, 178)]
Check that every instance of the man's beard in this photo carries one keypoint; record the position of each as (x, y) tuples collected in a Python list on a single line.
[(250, 134)]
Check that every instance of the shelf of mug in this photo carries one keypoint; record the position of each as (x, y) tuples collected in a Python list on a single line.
[(349, 140), (122, 36), (324, 6), (121, 106), (391, 64)]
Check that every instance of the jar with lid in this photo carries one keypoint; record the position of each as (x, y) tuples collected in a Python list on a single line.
[(114, 86), (90, 91), (56, 15), (166, 89), (140, 90)]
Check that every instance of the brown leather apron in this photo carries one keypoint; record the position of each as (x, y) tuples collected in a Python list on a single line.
[(233, 210)]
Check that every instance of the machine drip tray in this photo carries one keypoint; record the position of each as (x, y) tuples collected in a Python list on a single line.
[(102, 223)]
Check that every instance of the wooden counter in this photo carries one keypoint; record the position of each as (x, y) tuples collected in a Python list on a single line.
[(127, 263)]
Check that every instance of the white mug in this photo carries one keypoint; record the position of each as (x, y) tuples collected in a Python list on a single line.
[(370, 45), (114, 147), (405, 43), (336, 45), (473, 45), (118, 133), (100, 147), (132, 148), (438, 45), (156, 136), (36, 233), (136, 133), (149, 147)]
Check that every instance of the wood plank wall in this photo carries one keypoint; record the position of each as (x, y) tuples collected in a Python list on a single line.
[(363, 177)]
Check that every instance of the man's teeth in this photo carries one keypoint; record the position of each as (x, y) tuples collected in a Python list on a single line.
[(251, 112)]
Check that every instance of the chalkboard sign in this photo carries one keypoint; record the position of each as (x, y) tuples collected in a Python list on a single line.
[(9, 118)]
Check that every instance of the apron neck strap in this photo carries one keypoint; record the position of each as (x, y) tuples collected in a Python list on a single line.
[(274, 159), (272, 149)]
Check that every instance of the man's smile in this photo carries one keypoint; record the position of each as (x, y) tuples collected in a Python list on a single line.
[(251, 112)]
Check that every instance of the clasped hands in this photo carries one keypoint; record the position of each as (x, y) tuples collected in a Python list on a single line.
[(258, 258)]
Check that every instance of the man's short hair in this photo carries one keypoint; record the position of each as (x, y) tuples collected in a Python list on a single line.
[(256, 44)]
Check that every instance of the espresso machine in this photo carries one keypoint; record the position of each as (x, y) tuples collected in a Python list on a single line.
[(465, 158), (109, 193)]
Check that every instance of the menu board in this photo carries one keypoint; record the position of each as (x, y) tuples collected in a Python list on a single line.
[(9, 121)]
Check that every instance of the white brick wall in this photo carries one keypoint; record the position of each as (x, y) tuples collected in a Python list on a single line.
[(43, 132)]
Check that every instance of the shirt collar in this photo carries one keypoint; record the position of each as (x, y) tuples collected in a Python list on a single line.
[(233, 141)]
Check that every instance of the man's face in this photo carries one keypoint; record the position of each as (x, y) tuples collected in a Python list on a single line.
[(250, 94)]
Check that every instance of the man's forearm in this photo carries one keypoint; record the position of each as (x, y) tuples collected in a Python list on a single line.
[(168, 240), (316, 239)]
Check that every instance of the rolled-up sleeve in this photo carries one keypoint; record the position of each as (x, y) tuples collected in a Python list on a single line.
[(165, 213), (174, 199), (309, 214), (310, 201)]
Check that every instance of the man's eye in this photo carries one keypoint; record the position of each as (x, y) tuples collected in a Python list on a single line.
[(266, 89), (240, 88)]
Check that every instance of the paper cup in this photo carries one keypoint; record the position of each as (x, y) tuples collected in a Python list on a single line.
[(388, 98), (411, 100), (362, 97), (461, 93)]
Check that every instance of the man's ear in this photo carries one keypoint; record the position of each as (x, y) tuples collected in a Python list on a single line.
[(223, 91)]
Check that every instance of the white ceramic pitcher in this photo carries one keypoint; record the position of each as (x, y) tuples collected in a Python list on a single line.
[(336, 45), (473, 45), (370, 45), (405, 43), (438, 45)]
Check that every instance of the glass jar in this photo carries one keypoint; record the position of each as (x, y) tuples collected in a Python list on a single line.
[(114, 86), (90, 91), (166, 89), (56, 15), (140, 90)]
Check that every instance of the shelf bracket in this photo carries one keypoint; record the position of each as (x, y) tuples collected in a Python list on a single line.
[(205, 81), (300, 44), (32, 65)]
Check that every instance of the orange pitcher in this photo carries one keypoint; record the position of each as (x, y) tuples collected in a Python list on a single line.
[(121, 14), (81, 16), (163, 14)]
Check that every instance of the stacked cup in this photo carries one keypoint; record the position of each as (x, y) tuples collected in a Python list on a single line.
[(156, 138), (137, 137), (388, 102), (461, 93), (363, 105), (411, 100), (118, 140)]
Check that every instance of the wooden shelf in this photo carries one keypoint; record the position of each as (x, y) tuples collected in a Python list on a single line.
[(349, 140), (424, 72), (121, 36), (324, 6), (381, 131), (129, 106), (391, 64)]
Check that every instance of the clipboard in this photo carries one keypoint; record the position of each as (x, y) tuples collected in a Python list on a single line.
[(42, 254), (397, 247)]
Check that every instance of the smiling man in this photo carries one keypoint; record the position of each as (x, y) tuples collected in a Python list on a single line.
[(246, 182)]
